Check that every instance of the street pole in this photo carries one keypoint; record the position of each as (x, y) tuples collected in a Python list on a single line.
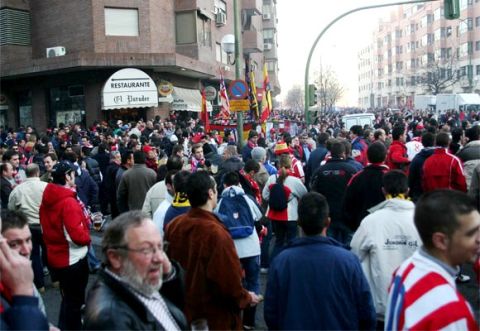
[(236, 31), (307, 67)]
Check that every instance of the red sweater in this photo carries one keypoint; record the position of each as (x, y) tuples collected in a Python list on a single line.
[(397, 157), (64, 226), (443, 170)]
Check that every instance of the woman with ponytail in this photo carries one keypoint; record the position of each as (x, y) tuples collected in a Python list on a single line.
[(284, 221)]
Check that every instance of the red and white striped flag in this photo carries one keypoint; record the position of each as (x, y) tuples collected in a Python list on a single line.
[(224, 103)]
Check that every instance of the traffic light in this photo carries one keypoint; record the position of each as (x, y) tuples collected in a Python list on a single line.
[(451, 9), (312, 95)]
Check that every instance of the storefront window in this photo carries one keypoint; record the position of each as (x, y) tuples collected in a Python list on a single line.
[(67, 104), (25, 108), (3, 116)]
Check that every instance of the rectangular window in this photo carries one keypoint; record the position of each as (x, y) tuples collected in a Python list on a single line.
[(204, 32), (477, 69), (15, 27), (268, 36), (67, 104), (186, 28), (477, 45), (477, 21), (25, 108), (121, 22)]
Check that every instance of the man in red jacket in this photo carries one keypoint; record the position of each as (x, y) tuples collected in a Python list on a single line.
[(442, 169), (397, 157), (64, 223)]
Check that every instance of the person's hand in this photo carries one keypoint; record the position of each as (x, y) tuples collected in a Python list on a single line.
[(166, 264), (256, 299), (15, 270)]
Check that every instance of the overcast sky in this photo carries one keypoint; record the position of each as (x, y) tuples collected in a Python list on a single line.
[(299, 24)]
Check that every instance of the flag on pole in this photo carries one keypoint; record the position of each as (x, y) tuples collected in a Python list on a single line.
[(224, 103), (267, 98), (204, 113), (253, 95), (252, 90)]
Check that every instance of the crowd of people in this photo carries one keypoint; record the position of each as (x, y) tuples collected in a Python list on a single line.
[(329, 213)]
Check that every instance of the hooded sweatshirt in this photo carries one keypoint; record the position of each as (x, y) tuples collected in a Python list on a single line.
[(64, 226)]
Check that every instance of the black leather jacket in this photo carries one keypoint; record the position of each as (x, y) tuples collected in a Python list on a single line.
[(111, 306)]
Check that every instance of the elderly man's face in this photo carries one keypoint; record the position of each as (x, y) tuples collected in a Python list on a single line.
[(143, 265)]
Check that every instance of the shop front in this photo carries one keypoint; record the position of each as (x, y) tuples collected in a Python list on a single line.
[(128, 94)]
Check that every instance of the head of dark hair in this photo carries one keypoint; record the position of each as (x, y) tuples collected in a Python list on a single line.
[(397, 131), (7, 156), (457, 134), (378, 133), (70, 156), (357, 130), (322, 138), (41, 148), (473, 133), (337, 149), (442, 139), (126, 155), (139, 157), (395, 182), (313, 213), (207, 149), (4, 167), (376, 152), (13, 219), (198, 186), (53, 156), (438, 211), (177, 148), (115, 234), (161, 172), (231, 178), (180, 181), (169, 177), (428, 139), (251, 165)]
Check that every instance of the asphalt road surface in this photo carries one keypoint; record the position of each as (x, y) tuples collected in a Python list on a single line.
[(51, 296)]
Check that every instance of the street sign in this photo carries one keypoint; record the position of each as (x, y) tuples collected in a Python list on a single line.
[(210, 93), (238, 89), (240, 105)]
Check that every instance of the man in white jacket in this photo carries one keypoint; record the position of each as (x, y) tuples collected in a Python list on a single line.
[(386, 238), (27, 198)]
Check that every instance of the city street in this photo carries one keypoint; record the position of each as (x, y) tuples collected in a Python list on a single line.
[(52, 295)]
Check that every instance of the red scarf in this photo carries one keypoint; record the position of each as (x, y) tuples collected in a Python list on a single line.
[(253, 185)]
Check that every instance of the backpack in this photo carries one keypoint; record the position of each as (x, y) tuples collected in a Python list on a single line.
[(279, 196), (236, 215)]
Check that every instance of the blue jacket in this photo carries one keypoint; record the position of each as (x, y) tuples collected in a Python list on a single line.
[(87, 190), (316, 284), (317, 156)]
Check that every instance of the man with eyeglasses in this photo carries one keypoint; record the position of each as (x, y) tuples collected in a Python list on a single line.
[(127, 293)]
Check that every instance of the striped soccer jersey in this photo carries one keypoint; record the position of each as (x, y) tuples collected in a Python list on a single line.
[(423, 296)]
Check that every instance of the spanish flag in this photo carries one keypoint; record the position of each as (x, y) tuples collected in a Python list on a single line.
[(204, 113), (267, 98)]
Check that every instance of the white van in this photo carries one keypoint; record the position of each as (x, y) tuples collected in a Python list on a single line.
[(358, 119)]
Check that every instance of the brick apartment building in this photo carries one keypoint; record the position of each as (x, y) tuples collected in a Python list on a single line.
[(86, 60), (412, 41)]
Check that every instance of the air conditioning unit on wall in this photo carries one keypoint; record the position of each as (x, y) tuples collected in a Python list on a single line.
[(220, 18), (56, 51), (267, 46), (267, 16)]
